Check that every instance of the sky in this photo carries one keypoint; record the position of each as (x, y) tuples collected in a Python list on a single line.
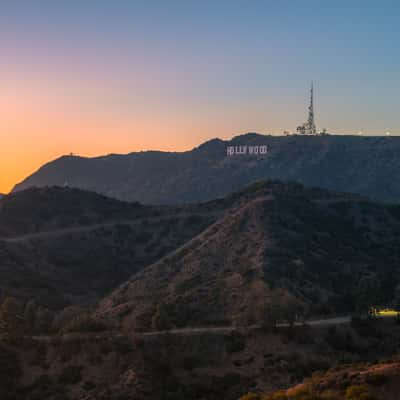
[(95, 77)]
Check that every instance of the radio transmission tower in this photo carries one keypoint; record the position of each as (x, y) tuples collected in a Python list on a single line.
[(308, 128), (312, 130)]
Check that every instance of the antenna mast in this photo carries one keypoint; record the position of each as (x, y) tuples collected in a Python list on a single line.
[(312, 130)]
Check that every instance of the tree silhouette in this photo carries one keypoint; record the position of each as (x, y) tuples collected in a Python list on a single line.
[(160, 320), (367, 294), (11, 319)]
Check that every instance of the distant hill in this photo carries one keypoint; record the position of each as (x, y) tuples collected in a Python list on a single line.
[(309, 247), (41, 209), (67, 246), (365, 165)]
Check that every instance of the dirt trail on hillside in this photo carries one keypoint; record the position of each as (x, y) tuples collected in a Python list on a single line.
[(80, 229), (191, 331)]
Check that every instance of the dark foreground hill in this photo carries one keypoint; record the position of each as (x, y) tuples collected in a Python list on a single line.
[(205, 366), (370, 381), (271, 251), (279, 244), (365, 165)]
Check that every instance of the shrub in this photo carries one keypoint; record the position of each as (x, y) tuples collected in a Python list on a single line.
[(189, 363), (368, 396), (235, 342), (89, 385), (354, 392), (70, 375), (278, 396), (160, 320), (10, 372), (43, 380), (376, 379), (360, 392), (251, 396), (39, 355), (329, 395), (298, 392), (84, 323), (105, 348)]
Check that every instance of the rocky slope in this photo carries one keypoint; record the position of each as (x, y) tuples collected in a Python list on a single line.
[(278, 243), (364, 165)]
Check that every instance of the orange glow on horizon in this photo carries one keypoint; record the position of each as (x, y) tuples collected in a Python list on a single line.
[(31, 137), (41, 121), (94, 78), (22, 154)]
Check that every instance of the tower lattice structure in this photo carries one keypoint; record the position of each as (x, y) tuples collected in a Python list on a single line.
[(312, 130), (309, 128)]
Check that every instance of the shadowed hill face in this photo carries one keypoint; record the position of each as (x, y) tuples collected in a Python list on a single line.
[(276, 240), (364, 165), (36, 210), (65, 246)]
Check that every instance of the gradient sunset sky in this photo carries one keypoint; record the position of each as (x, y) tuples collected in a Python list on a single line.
[(95, 77)]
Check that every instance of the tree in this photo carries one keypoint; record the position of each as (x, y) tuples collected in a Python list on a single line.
[(160, 320), (10, 373), (324, 132), (282, 308), (367, 294), (11, 318), (292, 311), (272, 311), (396, 301)]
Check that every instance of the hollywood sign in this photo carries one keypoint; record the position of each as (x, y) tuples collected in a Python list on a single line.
[(246, 150)]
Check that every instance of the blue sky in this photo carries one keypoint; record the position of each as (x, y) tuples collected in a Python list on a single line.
[(117, 76)]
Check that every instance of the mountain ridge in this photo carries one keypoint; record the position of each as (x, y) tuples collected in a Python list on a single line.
[(364, 165)]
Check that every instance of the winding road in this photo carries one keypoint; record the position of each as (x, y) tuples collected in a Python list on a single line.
[(192, 331)]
